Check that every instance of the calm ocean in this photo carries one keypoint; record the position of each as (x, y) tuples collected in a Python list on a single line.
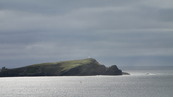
[(156, 82)]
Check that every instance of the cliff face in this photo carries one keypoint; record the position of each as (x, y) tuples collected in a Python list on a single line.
[(66, 68)]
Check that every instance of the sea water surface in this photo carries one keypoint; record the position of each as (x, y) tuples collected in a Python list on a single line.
[(141, 83)]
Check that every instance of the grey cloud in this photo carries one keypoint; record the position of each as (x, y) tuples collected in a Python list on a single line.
[(18, 38), (112, 31), (57, 6), (166, 15), (102, 17)]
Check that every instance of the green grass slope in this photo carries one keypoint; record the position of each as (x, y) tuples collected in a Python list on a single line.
[(48, 69), (65, 68)]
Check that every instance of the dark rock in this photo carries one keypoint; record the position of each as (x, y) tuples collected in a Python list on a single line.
[(113, 70)]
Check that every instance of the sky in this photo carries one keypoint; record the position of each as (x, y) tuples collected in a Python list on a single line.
[(121, 32)]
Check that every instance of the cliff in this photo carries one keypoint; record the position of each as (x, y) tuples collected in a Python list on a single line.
[(82, 67)]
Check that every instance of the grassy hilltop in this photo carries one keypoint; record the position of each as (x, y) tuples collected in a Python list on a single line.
[(65, 68)]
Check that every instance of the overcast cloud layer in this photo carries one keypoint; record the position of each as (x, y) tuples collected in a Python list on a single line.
[(122, 32)]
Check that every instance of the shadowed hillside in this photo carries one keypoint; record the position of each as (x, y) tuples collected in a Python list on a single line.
[(65, 68)]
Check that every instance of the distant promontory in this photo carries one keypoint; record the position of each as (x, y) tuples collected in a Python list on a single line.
[(83, 67)]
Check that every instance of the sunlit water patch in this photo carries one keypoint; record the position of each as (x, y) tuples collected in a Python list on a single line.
[(139, 84)]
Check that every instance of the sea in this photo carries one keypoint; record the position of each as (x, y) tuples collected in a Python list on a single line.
[(142, 82)]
